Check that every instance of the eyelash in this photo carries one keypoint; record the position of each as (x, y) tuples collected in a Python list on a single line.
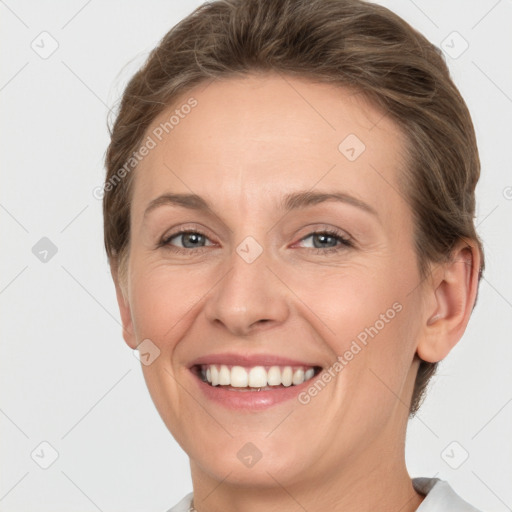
[(344, 242)]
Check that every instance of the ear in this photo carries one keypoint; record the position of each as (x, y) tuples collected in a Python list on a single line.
[(451, 294), (124, 308)]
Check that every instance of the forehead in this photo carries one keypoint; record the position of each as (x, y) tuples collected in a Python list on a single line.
[(246, 140)]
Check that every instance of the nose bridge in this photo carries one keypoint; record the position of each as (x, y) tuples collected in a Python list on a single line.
[(248, 294)]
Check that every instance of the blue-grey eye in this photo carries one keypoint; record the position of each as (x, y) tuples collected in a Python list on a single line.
[(323, 240), (190, 240)]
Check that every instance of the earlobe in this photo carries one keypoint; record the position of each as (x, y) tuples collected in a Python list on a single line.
[(452, 295), (125, 312)]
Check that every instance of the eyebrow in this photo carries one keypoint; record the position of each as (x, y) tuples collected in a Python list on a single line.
[(292, 201)]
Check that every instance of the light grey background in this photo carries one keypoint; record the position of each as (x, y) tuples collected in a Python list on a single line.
[(68, 379)]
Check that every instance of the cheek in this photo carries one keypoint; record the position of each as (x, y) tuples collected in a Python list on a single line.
[(161, 298), (369, 320), (349, 304), (379, 353)]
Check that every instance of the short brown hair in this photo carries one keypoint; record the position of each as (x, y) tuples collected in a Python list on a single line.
[(343, 42)]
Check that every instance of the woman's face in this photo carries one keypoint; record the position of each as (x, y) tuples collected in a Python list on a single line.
[(298, 252)]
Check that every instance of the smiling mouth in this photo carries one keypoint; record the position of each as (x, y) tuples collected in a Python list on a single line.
[(254, 378)]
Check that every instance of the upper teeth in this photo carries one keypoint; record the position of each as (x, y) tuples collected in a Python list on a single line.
[(256, 376)]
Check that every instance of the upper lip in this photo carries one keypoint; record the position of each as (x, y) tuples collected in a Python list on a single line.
[(230, 358)]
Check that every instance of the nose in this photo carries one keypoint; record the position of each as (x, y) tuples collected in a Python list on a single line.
[(248, 298)]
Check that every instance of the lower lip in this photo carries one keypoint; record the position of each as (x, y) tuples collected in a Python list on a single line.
[(250, 400)]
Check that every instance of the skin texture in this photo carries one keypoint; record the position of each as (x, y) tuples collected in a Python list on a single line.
[(247, 143)]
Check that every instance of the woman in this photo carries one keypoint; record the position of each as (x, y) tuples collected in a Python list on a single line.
[(288, 210)]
